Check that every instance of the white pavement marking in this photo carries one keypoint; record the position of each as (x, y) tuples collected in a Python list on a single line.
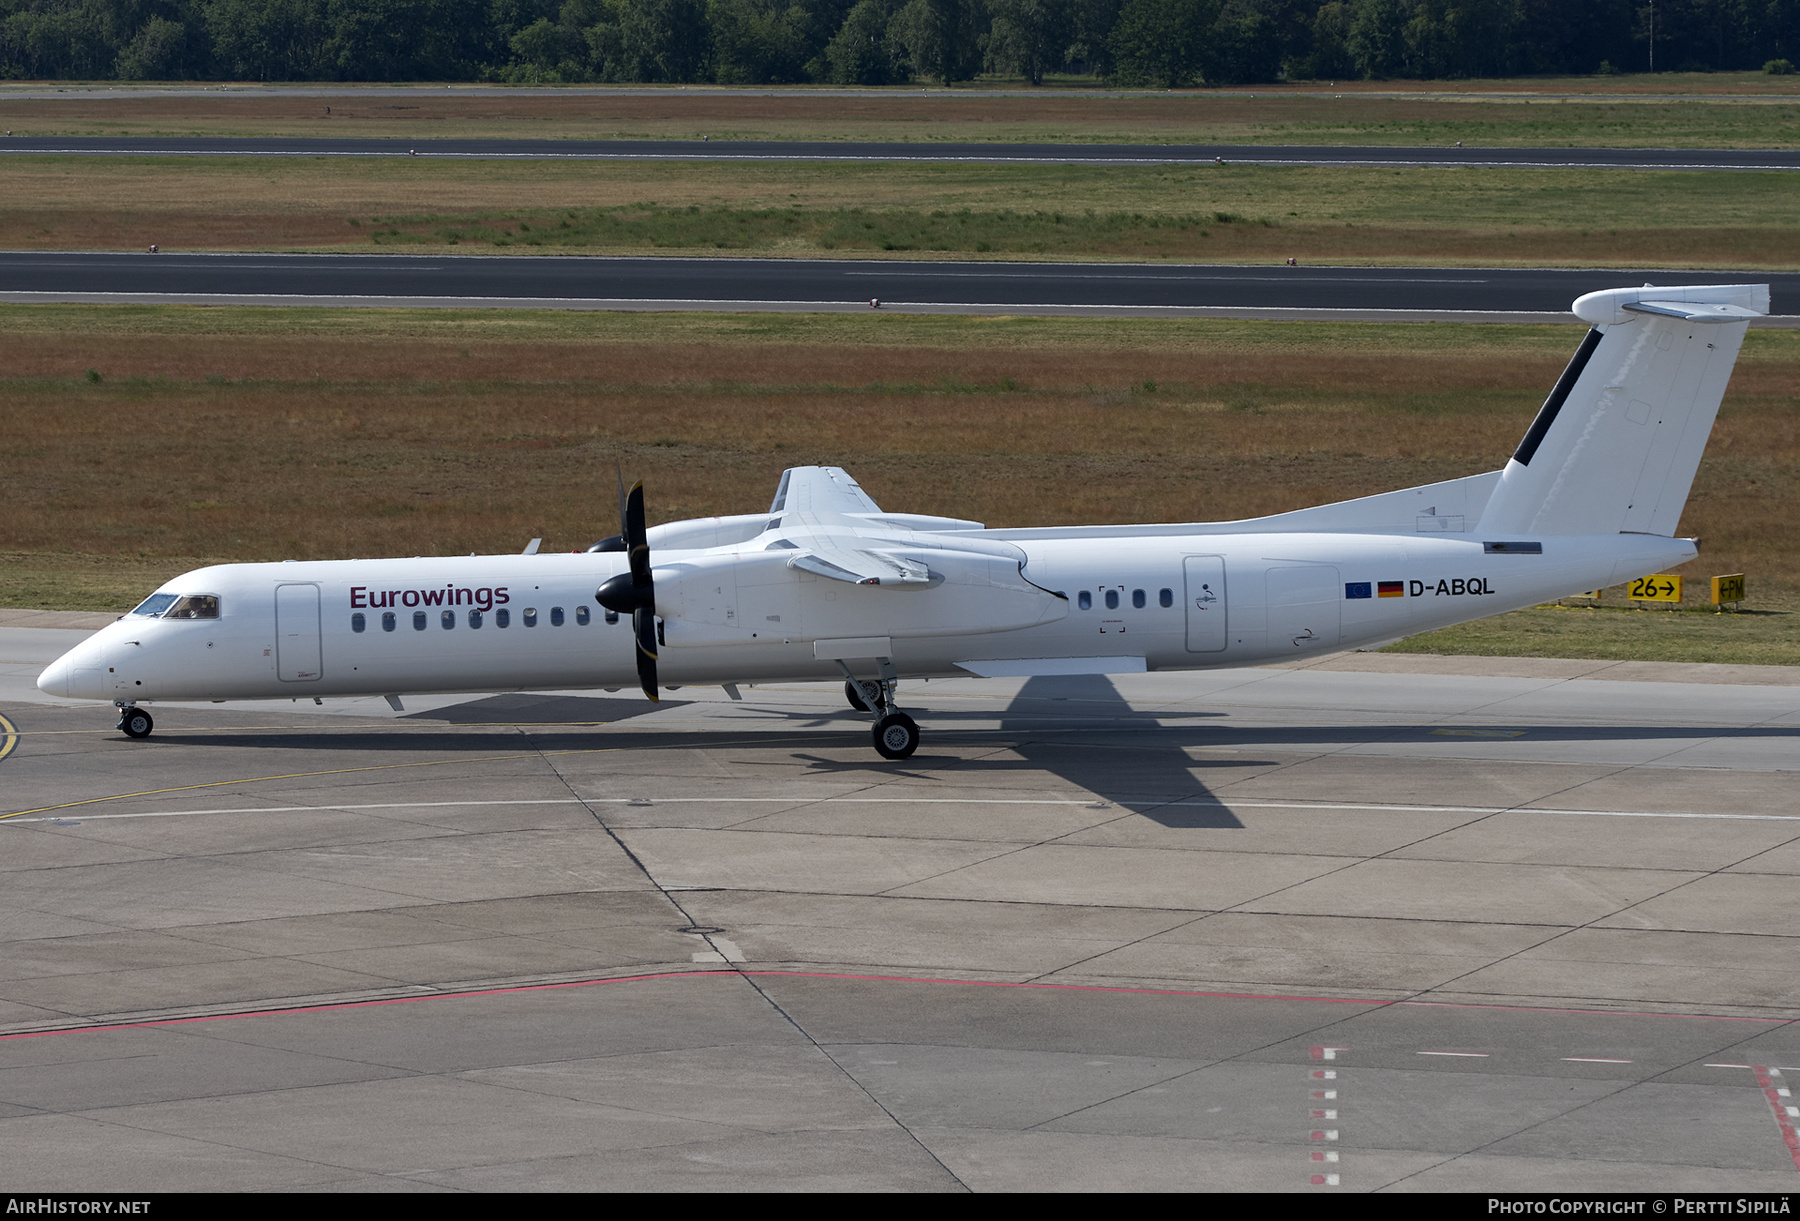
[(1593, 1060), (1330, 1113), (1084, 802), (727, 951), (1467, 1055)]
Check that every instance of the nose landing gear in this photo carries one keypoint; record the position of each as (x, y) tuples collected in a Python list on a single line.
[(134, 722)]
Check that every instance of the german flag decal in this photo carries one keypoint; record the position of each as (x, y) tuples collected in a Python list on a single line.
[(1393, 589)]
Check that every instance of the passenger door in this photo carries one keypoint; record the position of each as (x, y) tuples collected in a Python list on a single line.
[(298, 657), (1205, 603)]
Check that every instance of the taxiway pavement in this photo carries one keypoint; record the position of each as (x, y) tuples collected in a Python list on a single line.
[(1353, 926), (986, 153), (585, 282)]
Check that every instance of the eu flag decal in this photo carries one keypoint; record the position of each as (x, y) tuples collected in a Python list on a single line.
[(1393, 589), (1357, 589)]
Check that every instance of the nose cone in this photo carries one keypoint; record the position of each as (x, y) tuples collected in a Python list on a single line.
[(55, 678), (78, 674)]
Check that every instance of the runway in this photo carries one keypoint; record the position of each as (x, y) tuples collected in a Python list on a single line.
[(996, 153), (1388, 923), (555, 282)]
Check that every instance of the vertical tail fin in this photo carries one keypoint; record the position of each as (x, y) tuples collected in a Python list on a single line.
[(1616, 445)]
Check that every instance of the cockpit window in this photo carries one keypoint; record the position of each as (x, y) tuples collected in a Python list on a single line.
[(194, 606), (155, 605)]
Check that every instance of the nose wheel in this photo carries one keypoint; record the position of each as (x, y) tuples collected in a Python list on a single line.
[(135, 722)]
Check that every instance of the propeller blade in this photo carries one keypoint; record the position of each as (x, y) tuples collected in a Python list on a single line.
[(643, 623), (637, 541), (634, 591)]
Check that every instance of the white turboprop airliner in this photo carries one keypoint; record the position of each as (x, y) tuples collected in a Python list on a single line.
[(827, 583)]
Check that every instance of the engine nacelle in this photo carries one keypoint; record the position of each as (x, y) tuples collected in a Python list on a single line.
[(759, 597)]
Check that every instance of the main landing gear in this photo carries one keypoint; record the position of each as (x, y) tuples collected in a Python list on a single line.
[(134, 722), (862, 694), (896, 735)]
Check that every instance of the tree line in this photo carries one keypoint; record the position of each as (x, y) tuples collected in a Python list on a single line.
[(1158, 43)]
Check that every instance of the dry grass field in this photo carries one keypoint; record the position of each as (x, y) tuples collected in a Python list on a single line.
[(233, 434), (1766, 633), (1749, 110), (1430, 216)]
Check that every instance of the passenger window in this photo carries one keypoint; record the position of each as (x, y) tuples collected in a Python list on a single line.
[(1085, 601), (474, 619), (387, 621), (530, 616), (502, 618), (612, 616), (1138, 600), (194, 606), (418, 621), (583, 616), (1112, 599), (357, 622), (556, 616), (449, 620), (1166, 598)]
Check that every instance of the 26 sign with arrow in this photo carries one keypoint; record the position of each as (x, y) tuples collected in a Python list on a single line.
[(1657, 587)]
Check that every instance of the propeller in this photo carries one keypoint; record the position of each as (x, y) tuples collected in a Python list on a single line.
[(633, 591)]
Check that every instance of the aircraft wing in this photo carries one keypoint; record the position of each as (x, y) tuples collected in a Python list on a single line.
[(824, 515), (818, 497)]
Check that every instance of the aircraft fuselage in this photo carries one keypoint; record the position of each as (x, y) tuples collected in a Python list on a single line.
[(530, 622)]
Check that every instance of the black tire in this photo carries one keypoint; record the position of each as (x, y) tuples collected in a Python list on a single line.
[(854, 696), (136, 723), (896, 736)]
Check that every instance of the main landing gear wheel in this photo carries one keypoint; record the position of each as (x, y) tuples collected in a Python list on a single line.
[(135, 722), (896, 736), (863, 696)]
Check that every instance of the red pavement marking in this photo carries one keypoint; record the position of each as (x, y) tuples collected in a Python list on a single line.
[(1765, 1077)]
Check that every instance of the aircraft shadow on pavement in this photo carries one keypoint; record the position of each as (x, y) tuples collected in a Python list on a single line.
[(1127, 770), (1143, 768), (522, 709)]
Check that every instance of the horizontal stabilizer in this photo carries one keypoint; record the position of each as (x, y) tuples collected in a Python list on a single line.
[(1693, 313)]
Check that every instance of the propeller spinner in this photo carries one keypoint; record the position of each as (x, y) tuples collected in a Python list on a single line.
[(634, 591)]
